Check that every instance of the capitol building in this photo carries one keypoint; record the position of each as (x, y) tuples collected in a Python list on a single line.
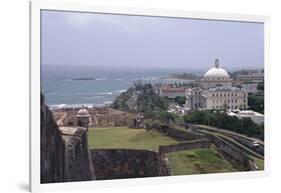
[(216, 92)]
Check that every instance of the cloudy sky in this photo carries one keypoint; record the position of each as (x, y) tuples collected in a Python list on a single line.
[(79, 39)]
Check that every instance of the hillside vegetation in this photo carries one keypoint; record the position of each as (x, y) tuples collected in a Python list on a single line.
[(140, 98)]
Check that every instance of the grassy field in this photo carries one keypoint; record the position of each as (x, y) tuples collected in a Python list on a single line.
[(122, 137), (198, 161)]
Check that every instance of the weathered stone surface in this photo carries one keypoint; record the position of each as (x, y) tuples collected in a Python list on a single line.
[(52, 148), (126, 163), (230, 153), (179, 135), (196, 144), (64, 151), (78, 161)]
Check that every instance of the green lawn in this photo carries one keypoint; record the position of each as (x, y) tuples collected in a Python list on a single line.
[(122, 137), (198, 161)]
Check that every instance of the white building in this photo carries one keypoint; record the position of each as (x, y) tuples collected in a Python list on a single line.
[(196, 99), (226, 98), (171, 92), (217, 92), (215, 77), (254, 116)]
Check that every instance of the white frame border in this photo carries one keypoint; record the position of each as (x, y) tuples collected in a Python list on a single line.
[(34, 146)]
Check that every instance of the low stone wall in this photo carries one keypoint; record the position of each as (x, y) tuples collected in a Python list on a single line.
[(126, 163), (203, 143), (177, 134), (230, 153)]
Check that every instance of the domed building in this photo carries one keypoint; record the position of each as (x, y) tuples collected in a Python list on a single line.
[(215, 77), (217, 92)]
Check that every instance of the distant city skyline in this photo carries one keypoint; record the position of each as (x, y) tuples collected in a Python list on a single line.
[(107, 40)]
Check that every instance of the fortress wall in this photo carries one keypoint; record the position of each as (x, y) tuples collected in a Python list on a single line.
[(230, 153), (52, 148), (78, 166), (64, 157), (126, 163), (179, 134), (204, 143)]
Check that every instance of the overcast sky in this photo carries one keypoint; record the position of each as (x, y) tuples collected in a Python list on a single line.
[(73, 38)]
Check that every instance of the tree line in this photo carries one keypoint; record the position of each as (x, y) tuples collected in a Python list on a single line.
[(222, 120)]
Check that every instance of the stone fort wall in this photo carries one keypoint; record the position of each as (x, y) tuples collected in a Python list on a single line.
[(177, 134), (233, 155), (127, 163), (64, 157), (195, 144)]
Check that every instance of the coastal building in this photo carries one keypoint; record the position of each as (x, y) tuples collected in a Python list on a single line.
[(226, 98), (217, 98), (196, 99), (215, 77), (171, 92), (217, 92), (254, 116), (250, 87), (250, 81), (251, 77)]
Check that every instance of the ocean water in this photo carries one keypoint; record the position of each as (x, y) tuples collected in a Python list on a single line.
[(62, 85)]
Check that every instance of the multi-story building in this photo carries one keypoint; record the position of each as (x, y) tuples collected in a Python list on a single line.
[(217, 92), (226, 98), (171, 92), (251, 77), (196, 99)]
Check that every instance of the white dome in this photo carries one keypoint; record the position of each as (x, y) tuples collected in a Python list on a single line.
[(216, 72)]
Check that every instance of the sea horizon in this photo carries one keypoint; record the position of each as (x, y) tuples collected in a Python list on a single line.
[(70, 87)]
